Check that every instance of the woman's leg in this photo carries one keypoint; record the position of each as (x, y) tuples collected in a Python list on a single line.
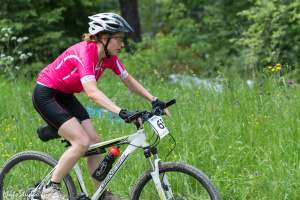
[(73, 106), (72, 131), (92, 161)]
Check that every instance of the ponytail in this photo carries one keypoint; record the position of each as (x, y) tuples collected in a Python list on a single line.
[(88, 37), (93, 38)]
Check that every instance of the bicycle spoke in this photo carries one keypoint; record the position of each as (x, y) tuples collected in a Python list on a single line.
[(183, 187), (23, 178)]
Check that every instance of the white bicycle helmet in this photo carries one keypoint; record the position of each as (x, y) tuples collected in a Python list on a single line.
[(108, 22)]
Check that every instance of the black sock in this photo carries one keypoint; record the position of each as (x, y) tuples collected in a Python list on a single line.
[(52, 183)]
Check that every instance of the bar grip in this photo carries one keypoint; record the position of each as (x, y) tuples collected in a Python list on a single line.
[(171, 102)]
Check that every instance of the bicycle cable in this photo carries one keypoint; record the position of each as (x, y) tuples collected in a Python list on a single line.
[(172, 149), (134, 145), (156, 142)]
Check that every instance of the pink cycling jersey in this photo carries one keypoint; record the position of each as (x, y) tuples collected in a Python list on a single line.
[(77, 65)]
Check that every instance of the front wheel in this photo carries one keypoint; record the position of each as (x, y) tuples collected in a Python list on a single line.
[(179, 181), (21, 175)]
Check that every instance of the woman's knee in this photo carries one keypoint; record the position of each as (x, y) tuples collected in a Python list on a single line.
[(72, 131), (81, 144)]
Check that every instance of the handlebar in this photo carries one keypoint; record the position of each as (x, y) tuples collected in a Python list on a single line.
[(146, 115)]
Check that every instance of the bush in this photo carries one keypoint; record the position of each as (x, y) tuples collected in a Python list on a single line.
[(162, 56), (13, 56), (270, 34)]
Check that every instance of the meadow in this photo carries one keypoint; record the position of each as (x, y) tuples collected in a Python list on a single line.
[(246, 140)]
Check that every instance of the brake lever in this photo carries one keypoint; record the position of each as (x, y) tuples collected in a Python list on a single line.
[(158, 111), (138, 123), (132, 118), (168, 104)]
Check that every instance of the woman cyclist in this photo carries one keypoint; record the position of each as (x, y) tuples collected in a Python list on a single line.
[(77, 69)]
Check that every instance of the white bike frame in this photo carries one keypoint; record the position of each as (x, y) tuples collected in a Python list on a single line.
[(136, 140)]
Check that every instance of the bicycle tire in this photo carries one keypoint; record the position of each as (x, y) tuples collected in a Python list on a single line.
[(176, 168), (34, 156)]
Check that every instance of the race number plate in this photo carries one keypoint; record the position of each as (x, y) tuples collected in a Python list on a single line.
[(158, 126)]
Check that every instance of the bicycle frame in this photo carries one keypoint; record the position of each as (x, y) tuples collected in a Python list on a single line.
[(134, 141)]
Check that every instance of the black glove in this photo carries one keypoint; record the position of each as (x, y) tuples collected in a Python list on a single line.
[(158, 103), (125, 114)]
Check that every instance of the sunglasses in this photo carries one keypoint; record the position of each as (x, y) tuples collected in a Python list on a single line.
[(119, 38)]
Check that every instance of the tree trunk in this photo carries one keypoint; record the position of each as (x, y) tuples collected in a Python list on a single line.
[(129, 10)]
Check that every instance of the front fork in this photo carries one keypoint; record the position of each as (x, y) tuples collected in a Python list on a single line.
[(162, 184)]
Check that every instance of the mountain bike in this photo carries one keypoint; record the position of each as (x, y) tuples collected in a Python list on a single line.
[(25, 174)]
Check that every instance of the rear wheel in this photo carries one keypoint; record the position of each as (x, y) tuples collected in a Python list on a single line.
[(22, 173), (184, 183)]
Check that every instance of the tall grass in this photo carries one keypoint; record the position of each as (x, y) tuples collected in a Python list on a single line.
[(245, 140)]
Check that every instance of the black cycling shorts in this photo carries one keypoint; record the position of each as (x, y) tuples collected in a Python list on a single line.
[(56, 107)]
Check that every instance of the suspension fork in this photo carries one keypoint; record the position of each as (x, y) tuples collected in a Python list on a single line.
[(162, 186)]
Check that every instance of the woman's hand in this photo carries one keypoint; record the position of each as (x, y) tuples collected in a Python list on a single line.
[(158, 103), (125, 114)]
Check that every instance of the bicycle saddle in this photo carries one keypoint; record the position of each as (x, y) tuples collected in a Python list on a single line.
[(47, 133)]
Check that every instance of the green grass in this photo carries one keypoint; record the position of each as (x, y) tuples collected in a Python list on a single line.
[(246, 141)]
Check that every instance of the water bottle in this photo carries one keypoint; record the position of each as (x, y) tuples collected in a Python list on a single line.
[(106, 164)]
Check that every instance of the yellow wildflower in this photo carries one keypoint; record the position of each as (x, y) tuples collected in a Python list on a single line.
[(278, 69)]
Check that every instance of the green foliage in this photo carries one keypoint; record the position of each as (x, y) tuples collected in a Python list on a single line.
[(176, 43), (203, 29), (271, 34), (239, 36), (39, 20), (200, 37), (12, 53), (51, 26), (161, 56), (189, 37)]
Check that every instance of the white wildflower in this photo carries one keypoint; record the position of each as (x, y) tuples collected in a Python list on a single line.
[(5, 35), (3, 29), (17, 67), (25, 38), (9, 30), (19, 52), (19, 40), (2, 55), (10, 58), (13, 38), (23, 56), (29, 54)]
